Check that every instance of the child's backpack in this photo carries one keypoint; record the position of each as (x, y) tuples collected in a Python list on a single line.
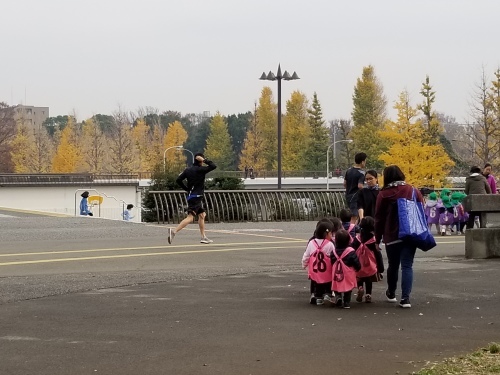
[(343, 278), (366, 258), (320, 265)]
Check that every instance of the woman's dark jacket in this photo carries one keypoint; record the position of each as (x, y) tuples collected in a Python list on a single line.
[(386, 211), (367, 198)]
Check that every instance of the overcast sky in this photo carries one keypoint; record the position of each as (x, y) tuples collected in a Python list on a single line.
[(93, 56)]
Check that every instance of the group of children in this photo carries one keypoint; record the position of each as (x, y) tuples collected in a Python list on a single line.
[(446, 212), (341, 257)]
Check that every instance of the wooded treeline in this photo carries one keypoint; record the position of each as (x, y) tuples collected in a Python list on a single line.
[(425, 143)]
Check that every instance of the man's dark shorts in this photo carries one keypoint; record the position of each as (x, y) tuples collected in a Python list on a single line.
[(352, 202), (195, 206)]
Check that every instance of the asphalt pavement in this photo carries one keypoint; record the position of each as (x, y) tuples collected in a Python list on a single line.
[(86, 296)]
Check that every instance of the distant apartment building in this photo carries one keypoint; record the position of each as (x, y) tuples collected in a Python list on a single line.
[(32, 117)]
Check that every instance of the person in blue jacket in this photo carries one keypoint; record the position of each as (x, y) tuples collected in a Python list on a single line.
[(84, 205)]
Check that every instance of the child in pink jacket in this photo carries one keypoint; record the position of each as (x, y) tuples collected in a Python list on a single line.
[(345, 266), (317, 260)]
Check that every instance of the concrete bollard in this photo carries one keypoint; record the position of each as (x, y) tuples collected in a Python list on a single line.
[(484, 242)]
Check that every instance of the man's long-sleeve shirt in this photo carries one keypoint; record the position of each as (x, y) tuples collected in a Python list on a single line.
[(195, 176)]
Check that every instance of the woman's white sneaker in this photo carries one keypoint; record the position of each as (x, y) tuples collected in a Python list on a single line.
[(405, 303)]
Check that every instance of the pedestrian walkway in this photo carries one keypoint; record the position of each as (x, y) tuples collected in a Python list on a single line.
[(13, 212), (237, 306)]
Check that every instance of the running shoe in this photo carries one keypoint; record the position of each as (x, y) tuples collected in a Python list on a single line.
[(206, 240), (171, 235)]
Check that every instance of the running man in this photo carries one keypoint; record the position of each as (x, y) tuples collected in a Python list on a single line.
[(195, 176)]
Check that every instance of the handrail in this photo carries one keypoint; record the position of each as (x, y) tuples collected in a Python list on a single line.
[(253, 205)]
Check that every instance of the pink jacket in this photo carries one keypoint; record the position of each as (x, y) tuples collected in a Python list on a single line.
[(343, 277), (319, 265)]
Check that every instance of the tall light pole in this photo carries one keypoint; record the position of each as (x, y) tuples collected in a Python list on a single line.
[(278, 77), (328, 160), (177, 148)]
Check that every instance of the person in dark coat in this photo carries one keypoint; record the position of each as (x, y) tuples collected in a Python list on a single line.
[(195, 187), (399, 252), (476, 183), (367, 197), (353, 183)]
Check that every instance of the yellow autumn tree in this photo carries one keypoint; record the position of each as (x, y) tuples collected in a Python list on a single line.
[(368, 116), (176, 135), (261, 142), (251, 154), (93, 145), (140, 135), (68, 157), (219, 148), (296, 131), (22, 150), (121, 144), (155, 150), (422, 163), (44, 150)]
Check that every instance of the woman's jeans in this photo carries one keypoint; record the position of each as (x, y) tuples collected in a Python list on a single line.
[(401, 253)]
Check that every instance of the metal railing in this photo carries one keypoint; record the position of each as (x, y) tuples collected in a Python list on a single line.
[(255, 205), (252, 205), (258, 174)]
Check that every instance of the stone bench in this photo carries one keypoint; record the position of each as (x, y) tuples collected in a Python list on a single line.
[(483, 242)]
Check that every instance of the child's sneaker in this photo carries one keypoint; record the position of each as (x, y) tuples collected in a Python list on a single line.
[(368, 298), (338, 301), (361, 293), (319, 302), (443, 231), (346, 305), (312, 300), (328, 298)]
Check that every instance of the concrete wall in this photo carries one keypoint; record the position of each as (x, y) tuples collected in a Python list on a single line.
[(61, 199)]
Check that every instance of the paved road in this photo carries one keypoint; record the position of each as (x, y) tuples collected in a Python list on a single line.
[(85, 295)]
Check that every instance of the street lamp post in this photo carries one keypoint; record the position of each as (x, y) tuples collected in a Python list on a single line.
[(328, 160), (278, 77), (177, 148)]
